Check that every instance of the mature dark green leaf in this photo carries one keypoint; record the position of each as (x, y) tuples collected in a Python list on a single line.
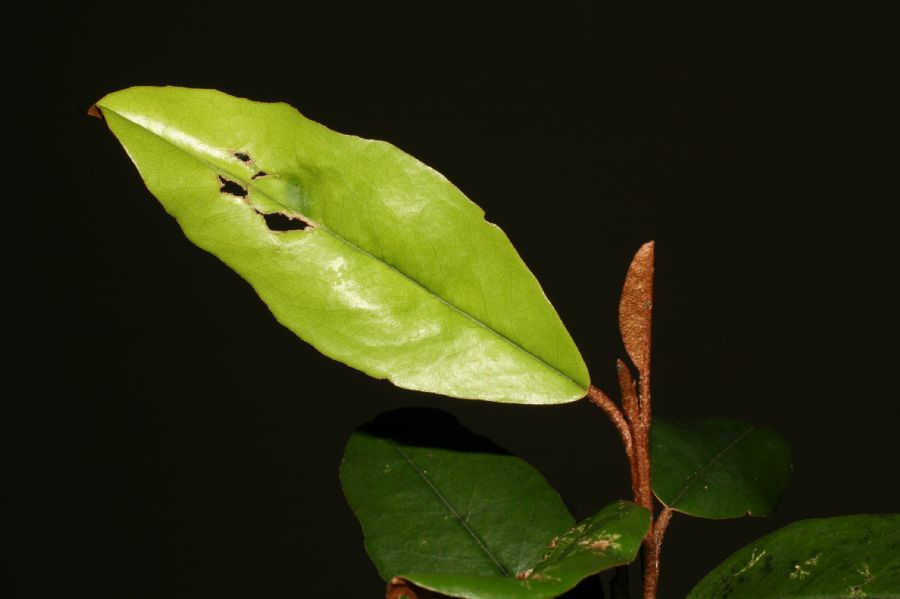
[(434, 497), (452, 512), (824, 558), (718, 468), (395, 272), (608, 539)]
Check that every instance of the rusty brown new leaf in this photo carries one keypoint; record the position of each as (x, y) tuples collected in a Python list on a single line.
[(636, 308)]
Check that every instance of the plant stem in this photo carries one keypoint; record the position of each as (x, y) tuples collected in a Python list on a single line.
[(641, 433), (635, 323), (643, 495), (652, 551), (609, 407)]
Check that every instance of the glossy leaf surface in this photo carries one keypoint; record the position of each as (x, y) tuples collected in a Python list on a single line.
[(392, 269), (452, 512), (718, 468), (825, 558)]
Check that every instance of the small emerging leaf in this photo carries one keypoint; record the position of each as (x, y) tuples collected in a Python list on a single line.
[(360, 249), (718, 468), (825, 558), (636, 308), (451, 512)]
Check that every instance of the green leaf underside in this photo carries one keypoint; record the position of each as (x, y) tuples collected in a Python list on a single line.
[(825, 558), (397, 274), (718, 468), (452, 512)]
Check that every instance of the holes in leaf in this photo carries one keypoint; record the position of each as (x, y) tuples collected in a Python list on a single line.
[(275, 222), (280, 222), (259, 174), (232, 188), (242, 156)]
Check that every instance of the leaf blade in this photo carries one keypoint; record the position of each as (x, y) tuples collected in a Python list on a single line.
[(718, 468), (403, 298), (847, 556), (453, 513), (609, 538), (449, 501)]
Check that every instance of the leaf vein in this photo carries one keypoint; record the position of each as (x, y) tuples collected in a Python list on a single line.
[(231, 175), (712, 461), (462, 521)]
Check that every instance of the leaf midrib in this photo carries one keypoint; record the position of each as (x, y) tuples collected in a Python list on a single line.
[(712, 461), (248, 184), (478, 540)]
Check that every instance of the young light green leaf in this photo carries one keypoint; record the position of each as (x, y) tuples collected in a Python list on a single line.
[(395, 272), (824, 558), (451, 512), (718, 468)]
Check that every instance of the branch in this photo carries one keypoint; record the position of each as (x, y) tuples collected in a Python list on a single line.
[(652, 551), (635, 324), (640, 480), (602, 401)]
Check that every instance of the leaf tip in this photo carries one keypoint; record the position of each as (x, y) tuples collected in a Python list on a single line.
[(95, 112)]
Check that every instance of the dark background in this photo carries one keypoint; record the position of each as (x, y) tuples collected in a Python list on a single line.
[(176, 442)]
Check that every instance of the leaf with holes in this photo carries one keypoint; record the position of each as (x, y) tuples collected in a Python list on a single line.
[(718, 468), (360, 249), (452, 512), (824, 558)]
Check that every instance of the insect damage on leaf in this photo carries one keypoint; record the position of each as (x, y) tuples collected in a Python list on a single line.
[(602, 543), (232, 188), (524, 574), (275, 221), (382, 231), (282, 222), (754, 558)]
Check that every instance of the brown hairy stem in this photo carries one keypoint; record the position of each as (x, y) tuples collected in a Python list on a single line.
[(662, 522), (630, 401), (635, 321), (652, 551), (642, 492), (609, 407), (635, 325)]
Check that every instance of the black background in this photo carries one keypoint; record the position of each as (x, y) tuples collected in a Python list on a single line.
[(177, 442)]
